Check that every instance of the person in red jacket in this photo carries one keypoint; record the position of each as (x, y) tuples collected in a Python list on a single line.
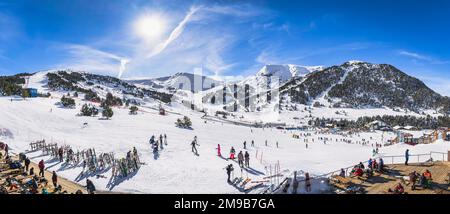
[(41, 168), (218, 150), (359, 172)]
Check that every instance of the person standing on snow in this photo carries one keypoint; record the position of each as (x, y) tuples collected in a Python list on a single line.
[(253, 143), (247, 159), (41, 168), (266, 142), (27, 163), (241, 159), (307, 182), (229, 169), (232, 152), (165, 139), (245, 144), (218, 150)]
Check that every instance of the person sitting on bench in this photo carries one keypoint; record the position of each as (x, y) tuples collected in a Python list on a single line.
[(399, 189), (413, 178), (358, 172), (425, 179)]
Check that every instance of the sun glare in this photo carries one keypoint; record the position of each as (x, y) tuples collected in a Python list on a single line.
[(149, 27)]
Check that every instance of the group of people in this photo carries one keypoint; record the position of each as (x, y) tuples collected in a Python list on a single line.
[(424, 180), (360, 170), (158, 144)]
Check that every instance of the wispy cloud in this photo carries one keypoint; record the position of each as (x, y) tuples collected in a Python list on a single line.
[(86, 58), (421, 57), (175, 33)]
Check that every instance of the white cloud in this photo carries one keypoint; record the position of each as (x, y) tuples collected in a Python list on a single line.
[(86, 58), (421, 57)]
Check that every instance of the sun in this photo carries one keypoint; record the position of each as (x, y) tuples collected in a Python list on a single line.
[(149, 27)]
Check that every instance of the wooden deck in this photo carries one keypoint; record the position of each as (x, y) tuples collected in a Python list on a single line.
[(398, 173), (67, 185)]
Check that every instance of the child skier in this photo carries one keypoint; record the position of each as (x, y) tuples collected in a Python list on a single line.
[(218, 150), (232, 152)]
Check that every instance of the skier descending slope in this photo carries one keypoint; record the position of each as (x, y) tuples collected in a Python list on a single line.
[(194, 144)]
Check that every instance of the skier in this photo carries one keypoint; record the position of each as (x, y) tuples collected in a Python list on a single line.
[(218, 150), (161, 139), (54, 179), (406, 156), (193, 144), (253, 143), (245, 144), (165, 139), (41, 168), (90, 186), (247, 159), (241, 159), (229, 169), (232, 152)]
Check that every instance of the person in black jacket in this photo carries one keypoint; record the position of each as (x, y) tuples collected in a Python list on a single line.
[(55, 179), (229, 170), (27, 164), (90, 186)]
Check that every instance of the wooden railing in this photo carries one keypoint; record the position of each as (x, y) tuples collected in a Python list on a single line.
[(441, 156)]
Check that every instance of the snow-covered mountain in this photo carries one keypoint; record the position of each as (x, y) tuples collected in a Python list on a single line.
[(287, 72), (178, 81), (358, 84)]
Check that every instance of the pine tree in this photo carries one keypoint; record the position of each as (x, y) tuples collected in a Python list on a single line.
[(107, 112), (133, 109)]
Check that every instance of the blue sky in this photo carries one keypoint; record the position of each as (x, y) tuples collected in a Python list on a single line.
[(231, 39)]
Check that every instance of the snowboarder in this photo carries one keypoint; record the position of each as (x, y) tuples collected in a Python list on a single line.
[(241, 159), (218, 150), (41, 168), (90, 186), (406, 156), (245, 144), (229, 170), (247, 159), (54, 179), (193, 144), (232, 152)]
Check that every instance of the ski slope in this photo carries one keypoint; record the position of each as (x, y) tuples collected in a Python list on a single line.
[(177, 169)]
